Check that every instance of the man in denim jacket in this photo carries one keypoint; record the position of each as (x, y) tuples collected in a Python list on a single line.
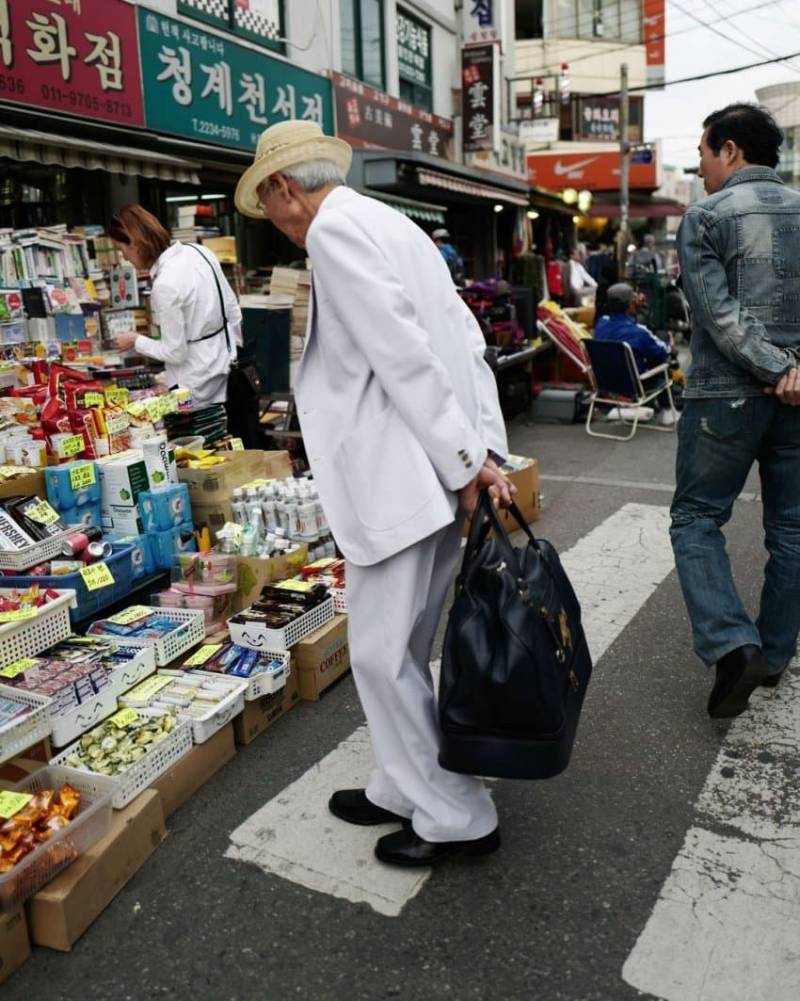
[(739, 251)]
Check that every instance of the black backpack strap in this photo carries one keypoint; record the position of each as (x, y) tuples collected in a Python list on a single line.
[(221, 303)]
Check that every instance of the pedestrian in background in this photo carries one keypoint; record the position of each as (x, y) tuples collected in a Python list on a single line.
[(400, 418), (739, 251), (452, 258)]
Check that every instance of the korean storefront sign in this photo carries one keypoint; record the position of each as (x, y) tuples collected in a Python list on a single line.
[(655, 34), (480, 96), (483, 21), (366, 117), (413, 50), (200, 85), (597, 119), (77, 57)]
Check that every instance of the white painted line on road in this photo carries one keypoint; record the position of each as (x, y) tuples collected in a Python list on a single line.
[(615, 569), (599, 481), (726, 926)]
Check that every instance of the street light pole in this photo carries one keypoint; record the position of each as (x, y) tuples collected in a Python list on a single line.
[(624, 172)]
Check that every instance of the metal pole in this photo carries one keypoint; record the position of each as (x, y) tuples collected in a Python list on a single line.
[(624, 173)]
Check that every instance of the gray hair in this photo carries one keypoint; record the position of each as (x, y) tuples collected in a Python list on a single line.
[(314, 174)]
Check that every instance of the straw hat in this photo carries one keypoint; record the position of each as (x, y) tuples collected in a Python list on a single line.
[(285, 145)]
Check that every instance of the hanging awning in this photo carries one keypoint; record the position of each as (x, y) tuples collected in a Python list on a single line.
[(660, 209), (451, 182), (419, 211), (64, 151)]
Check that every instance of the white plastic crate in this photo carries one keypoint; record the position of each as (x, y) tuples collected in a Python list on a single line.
[(90, 823), (40, 552), (257, 637), (131, 672), (70, 725), (21, 734), (339, 595), (264, 683), (147, 769), (203, 729), (190, 629), (29, 637)]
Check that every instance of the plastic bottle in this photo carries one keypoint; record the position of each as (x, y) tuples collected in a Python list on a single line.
[(238, 506)]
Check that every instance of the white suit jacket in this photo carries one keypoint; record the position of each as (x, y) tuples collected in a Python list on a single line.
[(396, 404)]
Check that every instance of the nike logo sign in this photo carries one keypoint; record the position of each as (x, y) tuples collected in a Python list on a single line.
[(559, 169)]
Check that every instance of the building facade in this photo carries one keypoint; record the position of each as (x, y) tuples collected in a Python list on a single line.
[(783, 101)]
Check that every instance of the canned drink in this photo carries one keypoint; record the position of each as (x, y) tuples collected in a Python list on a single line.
[(99, 550), (77, 543)]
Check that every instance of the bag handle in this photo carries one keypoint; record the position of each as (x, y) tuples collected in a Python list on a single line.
[(484, 518), (221, 300)]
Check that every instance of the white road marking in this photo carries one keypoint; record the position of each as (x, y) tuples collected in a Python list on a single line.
[(726, 926), (615, 569), (600, 481)]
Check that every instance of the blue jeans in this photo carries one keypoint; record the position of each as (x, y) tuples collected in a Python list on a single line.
[(719, 439)]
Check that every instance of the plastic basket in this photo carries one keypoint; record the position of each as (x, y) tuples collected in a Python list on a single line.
[(70, 725), (264, 683), (339, 595), (91, 823), (89, 602), (147, 769), (131, 672), (39, 552), (21, 734), (258, 637), (205, 727), (29, 637), (190, 629)]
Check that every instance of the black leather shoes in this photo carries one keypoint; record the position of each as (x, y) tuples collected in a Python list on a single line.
[(353, 806), (773, 680), (739, 673), (408, 849)]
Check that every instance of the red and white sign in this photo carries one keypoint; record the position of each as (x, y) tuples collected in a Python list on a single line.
[(590, 171), (655, 40)]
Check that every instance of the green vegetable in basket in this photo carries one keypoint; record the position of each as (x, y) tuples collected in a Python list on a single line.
[(110, 749)]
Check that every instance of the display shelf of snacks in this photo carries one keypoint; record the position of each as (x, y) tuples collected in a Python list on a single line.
[(60, 813), (169, 632), (20, 560), (134, 747), (207, 702), (285, 614), (265, 671), (26, 721), (27, 630), (140, 665)]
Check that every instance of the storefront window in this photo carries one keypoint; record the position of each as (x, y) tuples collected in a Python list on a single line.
[(616, 20), (259, 20), (33, 195), (361, 24), (528, 19), (414, 61)]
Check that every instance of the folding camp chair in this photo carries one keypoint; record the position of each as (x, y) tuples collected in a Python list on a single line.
[(616, 380), (563, 338)]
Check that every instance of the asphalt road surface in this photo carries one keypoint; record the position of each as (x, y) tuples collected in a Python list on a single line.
[(665, 863)]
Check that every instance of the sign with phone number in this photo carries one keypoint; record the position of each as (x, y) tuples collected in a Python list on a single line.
[(74, 56)]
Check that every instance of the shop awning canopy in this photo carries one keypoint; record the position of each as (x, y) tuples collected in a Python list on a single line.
[(420, 211), (63, 151), (451, 182), (656, 209)]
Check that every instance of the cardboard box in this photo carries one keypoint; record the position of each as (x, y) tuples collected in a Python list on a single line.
[(62, 911), (214, 486), (526, 479), (31, 483), (254, 572), (122, 478), (194, 769), (121, 520), (15, 946), (321, 658), (260, 714)]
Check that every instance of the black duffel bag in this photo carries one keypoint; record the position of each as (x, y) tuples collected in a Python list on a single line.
[(515, 664)]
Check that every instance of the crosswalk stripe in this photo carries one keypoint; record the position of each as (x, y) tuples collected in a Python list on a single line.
[(615, 568)]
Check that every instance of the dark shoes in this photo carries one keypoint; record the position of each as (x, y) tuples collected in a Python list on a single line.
[(353, 806), (739, 673), (773, 680), (408, 849)]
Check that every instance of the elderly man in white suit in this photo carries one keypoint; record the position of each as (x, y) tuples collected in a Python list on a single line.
[(400, 420)]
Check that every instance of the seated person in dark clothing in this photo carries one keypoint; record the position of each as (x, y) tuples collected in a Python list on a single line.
[(619, 324)]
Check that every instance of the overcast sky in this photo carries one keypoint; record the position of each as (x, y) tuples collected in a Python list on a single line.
[(675, 114)]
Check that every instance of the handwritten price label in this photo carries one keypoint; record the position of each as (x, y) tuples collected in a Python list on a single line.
[(124, 718), (203, 655), (72, 445), (12, 802), (118, 396), (94, 400), (237, 445), (132, 614), (96, 575), (302, 586), (149, 687), (42, 513), (18, 615), (82, 476), (117, 422), (18, 667)]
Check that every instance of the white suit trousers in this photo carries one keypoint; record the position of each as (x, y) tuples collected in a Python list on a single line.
[(394, 609)]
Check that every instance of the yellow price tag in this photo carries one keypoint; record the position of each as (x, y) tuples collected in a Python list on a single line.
[(117, 422), (302, 586), (12, 802), (72, 445), (94, 400), (136, 409), (18, 615), (149, 687), (132, 614), (203, 655), (82, 476), (237, 444), (12, 670), (124, 718), (43, 513), (96, 575), (6, 472), (119, 396)]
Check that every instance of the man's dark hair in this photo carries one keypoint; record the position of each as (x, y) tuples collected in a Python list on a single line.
[(615, 306), (752, 128)]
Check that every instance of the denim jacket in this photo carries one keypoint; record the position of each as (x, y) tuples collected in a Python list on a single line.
[(739, 252)]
